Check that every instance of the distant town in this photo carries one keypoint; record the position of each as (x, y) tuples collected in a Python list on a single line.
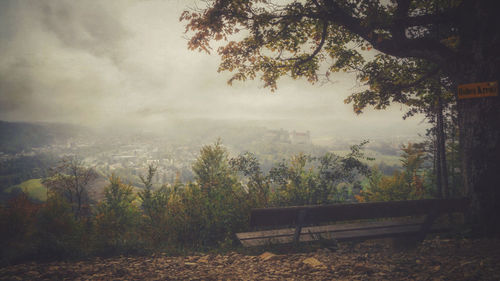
[(129, 156)]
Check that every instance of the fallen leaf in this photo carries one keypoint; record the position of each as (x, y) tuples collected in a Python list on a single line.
[(361, 268), (203, 259), (266, 256), (314, 263)]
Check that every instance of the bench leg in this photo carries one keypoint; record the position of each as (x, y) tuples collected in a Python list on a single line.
[(426, 226), (296, 235), (300, 222), (412, 241)]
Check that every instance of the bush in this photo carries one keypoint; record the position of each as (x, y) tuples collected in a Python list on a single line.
[(408, 184), (310, 181), (59, 234), (18, 229), (117, 220), (213, 208)]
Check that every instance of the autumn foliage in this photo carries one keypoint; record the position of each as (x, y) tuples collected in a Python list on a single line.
[(202, 214), (408, 184)]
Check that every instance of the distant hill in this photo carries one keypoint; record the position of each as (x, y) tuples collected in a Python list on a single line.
[(18, 136), (16, 170)]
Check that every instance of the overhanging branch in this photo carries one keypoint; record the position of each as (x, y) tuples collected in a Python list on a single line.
[(397, 44)]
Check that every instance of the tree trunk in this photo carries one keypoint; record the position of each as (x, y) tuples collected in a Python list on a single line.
[(437, 166), (479, 123), (479, 118), (441, 150), (454, 161)]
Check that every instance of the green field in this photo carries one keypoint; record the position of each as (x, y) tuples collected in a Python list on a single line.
[(33, 188)]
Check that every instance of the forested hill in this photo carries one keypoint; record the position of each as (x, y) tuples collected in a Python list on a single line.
[(17, 136)]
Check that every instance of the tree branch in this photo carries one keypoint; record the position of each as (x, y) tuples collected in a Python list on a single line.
[(422, 78), (398, 45), (324, 34)]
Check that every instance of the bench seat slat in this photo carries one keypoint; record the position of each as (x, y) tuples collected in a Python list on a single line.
[(355, 211), (339, 236), (340, 232), (299, 215), (324, 228)]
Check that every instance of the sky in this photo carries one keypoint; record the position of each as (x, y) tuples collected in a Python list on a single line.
[(126, 63)]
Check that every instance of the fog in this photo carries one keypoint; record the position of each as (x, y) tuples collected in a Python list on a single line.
[(126, 64)]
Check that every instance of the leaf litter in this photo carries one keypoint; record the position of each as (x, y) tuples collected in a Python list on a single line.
[(435, 259)]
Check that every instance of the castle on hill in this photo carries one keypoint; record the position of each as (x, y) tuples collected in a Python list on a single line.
[(284, 136)]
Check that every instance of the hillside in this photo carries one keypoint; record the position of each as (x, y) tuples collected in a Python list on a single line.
[(18, 136), (16, 170)]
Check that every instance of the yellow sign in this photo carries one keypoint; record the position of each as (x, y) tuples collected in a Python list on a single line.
[(478, 90)]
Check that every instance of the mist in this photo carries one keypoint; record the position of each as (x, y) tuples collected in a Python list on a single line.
[(125, 64)]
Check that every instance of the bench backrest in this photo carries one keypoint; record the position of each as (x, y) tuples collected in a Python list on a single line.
[(356, 211)]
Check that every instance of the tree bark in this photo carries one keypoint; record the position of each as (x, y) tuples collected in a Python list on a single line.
[(441, 150), (479, 123), (437, 166)]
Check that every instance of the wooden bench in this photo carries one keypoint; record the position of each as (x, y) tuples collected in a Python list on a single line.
[(415, 217)]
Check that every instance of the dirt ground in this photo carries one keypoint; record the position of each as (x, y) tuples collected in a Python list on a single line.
[(435, 259)]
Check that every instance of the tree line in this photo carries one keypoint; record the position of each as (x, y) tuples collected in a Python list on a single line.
[(200, 214)]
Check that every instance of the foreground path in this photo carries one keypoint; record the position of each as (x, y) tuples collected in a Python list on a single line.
[(435, 259)]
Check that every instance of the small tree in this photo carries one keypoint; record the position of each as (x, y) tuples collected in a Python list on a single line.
[(402, 185), (212, 169), (59, 234), (257, 185), (310, 180), (154, 204), (117, 217), (221, 208), (146, 195), (17, 228), (71, 180)]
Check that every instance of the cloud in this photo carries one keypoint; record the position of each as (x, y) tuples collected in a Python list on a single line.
[(59, 59), (90, 26), (126, 62)]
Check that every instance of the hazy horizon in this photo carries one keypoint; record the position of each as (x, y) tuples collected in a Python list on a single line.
[(106, 64)]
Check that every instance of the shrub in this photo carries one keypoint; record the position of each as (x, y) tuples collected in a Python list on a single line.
[(59, 235), (18, 229), (308, 180), (402, 185), (117, 219)]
